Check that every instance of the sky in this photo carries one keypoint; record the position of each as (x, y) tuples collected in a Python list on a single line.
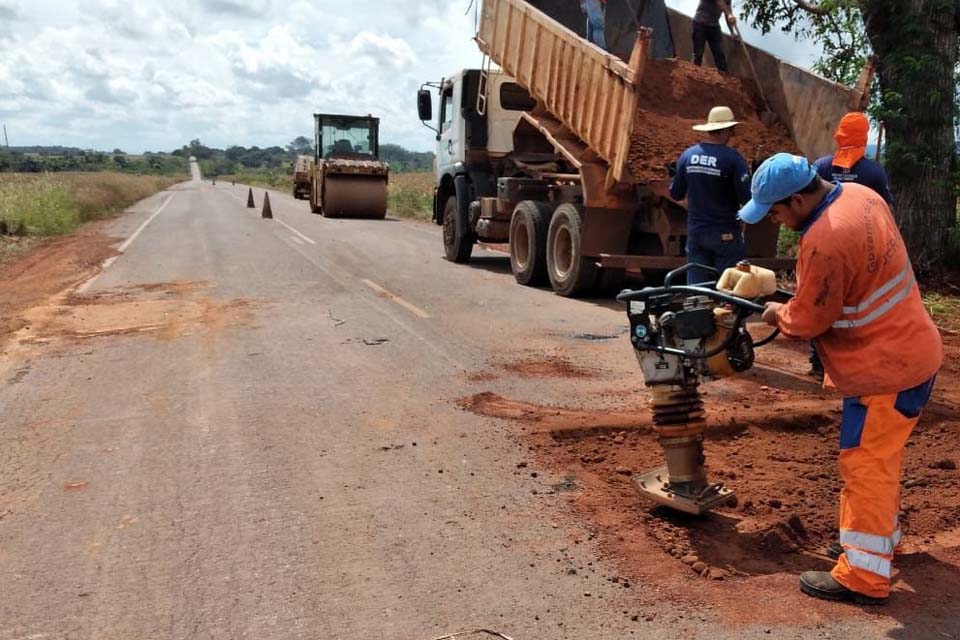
[(105, 74)]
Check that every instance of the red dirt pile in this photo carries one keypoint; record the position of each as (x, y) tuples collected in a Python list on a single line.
[(674, 96)]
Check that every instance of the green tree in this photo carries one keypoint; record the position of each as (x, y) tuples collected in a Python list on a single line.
[(300, 146), (916, 47)]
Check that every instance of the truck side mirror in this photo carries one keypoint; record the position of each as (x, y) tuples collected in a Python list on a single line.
[(424, 105)]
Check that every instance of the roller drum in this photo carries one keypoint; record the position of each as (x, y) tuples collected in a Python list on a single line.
[(354, 196)]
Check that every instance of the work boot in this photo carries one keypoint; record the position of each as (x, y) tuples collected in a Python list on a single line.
[(820, 584), (816, 372)]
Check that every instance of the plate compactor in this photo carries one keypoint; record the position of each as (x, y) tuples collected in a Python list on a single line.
[(681, 335)]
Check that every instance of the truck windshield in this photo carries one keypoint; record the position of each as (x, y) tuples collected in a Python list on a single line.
[(346, 138)]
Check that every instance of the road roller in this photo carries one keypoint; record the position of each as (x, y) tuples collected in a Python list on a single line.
[(349, 180)]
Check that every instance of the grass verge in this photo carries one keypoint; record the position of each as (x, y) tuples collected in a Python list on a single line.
[(33, 206), (409, 195), (54, 204)]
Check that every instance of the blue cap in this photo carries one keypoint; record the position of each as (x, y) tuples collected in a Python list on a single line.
[(778, 178)]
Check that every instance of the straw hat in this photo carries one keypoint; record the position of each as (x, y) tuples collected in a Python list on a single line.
[(719, 118)]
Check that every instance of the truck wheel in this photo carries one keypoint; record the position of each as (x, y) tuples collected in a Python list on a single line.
[(528, 242), (570, 273), (457, 237)]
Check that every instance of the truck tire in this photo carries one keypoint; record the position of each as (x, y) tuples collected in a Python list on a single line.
[(528, 242), (570, 273), (458, 239)]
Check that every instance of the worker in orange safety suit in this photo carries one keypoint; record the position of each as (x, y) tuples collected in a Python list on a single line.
[(858, 300)]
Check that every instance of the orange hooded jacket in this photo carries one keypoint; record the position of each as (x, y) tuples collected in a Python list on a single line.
[(851, 136), (857, 298)]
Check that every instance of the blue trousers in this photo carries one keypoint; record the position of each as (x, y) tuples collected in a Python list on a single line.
[(595, 22), (718, 249)]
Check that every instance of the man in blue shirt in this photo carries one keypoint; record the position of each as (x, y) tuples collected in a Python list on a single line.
[(715, 181), (849, 163)]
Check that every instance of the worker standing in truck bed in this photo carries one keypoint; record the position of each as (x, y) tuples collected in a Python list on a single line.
[(858, 299), (706, 29), (595, 11)]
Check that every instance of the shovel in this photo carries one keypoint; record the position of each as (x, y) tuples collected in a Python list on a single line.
[(767, 116)]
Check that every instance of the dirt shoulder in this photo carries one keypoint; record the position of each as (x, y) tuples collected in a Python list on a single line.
[(48, 269)]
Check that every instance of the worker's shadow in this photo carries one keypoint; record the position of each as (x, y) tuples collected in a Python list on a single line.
[(926, 598), (716, 540), (491, 263)]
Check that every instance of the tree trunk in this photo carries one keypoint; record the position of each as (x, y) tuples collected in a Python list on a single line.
[(916, 44)]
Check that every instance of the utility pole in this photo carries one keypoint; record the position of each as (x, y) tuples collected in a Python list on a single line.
[(6, 140)]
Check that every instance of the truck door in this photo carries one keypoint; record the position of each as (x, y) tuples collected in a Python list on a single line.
[(450, 146)]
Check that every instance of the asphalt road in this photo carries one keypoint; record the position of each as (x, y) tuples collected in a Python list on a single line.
[(247, 428)]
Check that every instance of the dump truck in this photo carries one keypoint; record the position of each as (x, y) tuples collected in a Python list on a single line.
[(302, 170), (536, 151), (348, 179)]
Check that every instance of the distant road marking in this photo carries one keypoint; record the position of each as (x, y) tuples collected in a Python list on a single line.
[(297, 240), (303, 237), (417, 311), (136, 233), (109, 261)]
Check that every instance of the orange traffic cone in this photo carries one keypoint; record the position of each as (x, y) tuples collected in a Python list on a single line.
[(267, 211), (250, 204)]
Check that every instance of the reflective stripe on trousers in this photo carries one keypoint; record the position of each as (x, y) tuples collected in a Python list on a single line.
[(873, 435)]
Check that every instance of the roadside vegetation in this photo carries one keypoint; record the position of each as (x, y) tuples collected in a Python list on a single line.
[(60, 159), (409, 195), (35, 206)]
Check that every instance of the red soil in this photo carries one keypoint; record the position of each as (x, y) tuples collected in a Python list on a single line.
[(674, 96)]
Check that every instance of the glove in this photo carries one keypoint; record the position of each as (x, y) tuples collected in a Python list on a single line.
[(671, 169), (731, 20)]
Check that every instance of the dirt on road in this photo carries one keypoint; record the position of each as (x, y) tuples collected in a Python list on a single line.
[(773, 438), (49, 269)]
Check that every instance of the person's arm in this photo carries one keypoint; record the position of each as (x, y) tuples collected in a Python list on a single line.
[(678, 186), (724, 6), (883, 184), (741, 181), (818, 302)]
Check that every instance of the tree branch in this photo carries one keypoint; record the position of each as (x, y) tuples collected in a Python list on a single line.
[(813, 8)]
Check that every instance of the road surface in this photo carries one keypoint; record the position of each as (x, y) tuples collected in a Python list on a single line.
[(246, 428)]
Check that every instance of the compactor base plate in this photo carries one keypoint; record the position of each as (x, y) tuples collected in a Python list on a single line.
[(653, 485)]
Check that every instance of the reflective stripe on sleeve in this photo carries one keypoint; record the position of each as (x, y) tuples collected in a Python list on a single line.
[(867, 542), (868, 562), (879, 311), (879, 293)]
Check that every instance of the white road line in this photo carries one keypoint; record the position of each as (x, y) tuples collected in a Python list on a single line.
[(347, 284), (297, 240), (109, 261), (303, 237), (136, 233), (417, 311)]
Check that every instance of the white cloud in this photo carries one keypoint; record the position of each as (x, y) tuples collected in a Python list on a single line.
[(110, 73)]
